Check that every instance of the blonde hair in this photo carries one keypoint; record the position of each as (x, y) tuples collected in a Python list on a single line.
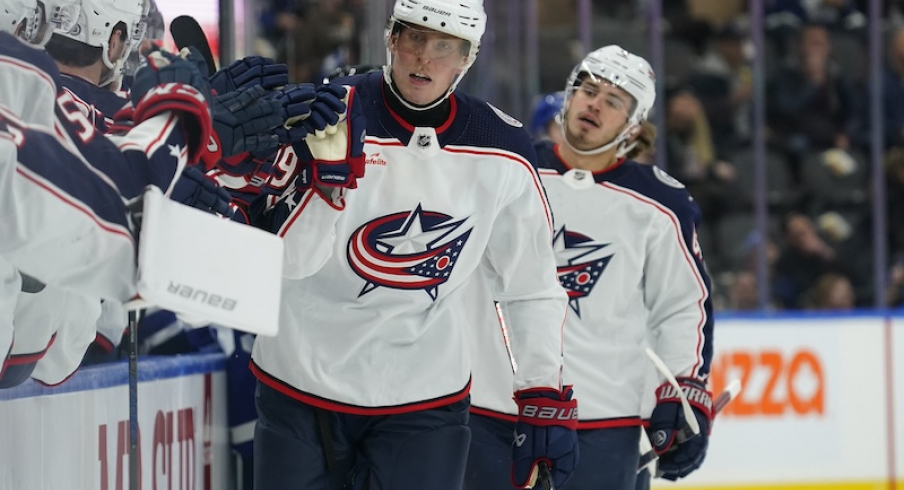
[(645, 141)]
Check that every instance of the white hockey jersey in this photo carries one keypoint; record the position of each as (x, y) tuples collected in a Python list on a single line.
[(373, 317), (627, 253)]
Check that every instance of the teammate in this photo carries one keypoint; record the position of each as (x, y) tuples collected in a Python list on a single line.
[(92, 52), (367, 380), (627, 253), (67, 223)]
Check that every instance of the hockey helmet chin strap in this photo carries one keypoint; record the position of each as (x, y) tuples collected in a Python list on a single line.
[(387, 76), (620, 140)]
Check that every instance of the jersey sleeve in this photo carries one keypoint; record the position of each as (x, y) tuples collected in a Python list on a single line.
[(678, 292), (523, 274), (27, 85)]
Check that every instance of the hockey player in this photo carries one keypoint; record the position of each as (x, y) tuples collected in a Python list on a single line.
[(627, 253), (368, 377), (92, 52)]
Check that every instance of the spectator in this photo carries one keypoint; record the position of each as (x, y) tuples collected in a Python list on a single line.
[(723, 82), (805, 258), (837, 14), (692, 155), (895, 289), (323, 41), (893, 87), (811, 103), (280, 19), (742, 292), (831, 292)]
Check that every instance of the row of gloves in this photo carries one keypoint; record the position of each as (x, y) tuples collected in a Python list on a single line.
[(548, 419), (238, 118)]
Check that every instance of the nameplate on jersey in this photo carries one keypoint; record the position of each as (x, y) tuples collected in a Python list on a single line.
[(579, 179), (424, 141), (187, 264)]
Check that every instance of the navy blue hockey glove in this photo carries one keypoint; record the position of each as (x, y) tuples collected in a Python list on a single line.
[(679, 455), (246, 165), (248, 72), (244, 121), (296, 103), (172, 83), (201, 192), (546, 431), (335, 158), (163, 67)]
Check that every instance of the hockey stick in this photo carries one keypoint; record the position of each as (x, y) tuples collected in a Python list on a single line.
[(544, 480), (187, 32), (692, 428), (135, 318)]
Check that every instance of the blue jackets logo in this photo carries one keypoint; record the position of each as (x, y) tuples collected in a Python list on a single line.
[(411, 250), (579, 265)]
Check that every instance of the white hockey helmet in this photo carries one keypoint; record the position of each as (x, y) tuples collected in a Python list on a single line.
[(96, 21), (26, 19), (622, 69), (465, 19)]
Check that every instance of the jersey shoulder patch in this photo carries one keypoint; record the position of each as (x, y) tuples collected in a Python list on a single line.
[(666, 178), (511, 121)]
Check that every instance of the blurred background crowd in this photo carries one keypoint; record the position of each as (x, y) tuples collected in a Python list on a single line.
[(819, 239)]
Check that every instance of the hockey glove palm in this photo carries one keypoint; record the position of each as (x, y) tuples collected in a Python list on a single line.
[(545, 432), (201, 192), (244, 121), (295, 103), (678, 454), (248, 72), (335, 159)]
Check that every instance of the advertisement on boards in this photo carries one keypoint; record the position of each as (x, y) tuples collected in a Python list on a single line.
[(812, 413)]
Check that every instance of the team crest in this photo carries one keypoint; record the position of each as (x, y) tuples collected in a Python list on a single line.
[(666, 178), (580, 265), (411, 250)]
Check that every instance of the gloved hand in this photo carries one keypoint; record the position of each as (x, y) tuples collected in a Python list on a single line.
[(248, 72), (163, 67), (678, 456), (244, 121), (545, 432), (310, 111), (195, 189), (296, 103), (173, 83), (334, 158), (246, 164)]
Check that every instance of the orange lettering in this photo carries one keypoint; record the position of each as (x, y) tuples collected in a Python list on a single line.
[(815, 403), (772, 361)]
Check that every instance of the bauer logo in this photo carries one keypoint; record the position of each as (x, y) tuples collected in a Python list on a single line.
[(201, 296), (437, 11)]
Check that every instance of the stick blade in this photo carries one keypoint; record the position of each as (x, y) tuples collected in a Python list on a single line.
[(187, 32)]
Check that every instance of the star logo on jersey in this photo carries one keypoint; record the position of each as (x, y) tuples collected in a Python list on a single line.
[(411, 250), (580, 265)]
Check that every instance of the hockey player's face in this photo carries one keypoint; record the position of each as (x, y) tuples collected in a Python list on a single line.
[(425, 63), (597, 113)]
